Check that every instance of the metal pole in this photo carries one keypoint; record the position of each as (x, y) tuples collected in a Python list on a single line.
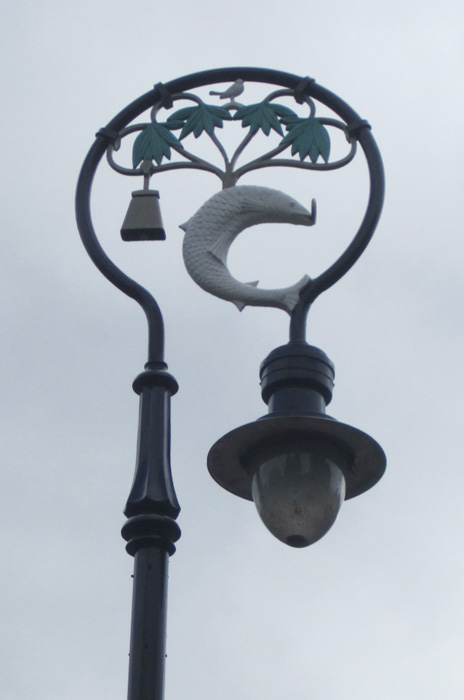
[(148, 630), (151, 532)]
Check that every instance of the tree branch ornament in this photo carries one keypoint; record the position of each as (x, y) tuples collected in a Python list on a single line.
[(180, 121), (307, 136)]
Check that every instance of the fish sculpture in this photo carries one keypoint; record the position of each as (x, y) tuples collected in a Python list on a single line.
[(211, 231)]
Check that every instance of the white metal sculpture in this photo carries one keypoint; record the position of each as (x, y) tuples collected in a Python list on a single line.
[(212, 230), (231, 93)]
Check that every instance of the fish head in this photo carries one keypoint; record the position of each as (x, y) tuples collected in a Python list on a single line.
[(285, 209), (266, 205)]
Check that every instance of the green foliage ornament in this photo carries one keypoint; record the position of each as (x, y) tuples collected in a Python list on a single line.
[(154, 143), (308, 138), (264, 116), (197, 119)]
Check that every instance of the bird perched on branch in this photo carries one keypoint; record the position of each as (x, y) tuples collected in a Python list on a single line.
[(232, 91)]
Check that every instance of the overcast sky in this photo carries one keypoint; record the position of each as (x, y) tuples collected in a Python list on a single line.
[(373, 610)]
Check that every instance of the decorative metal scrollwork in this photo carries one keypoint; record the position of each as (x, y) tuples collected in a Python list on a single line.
[(307, 136), (298, 136)]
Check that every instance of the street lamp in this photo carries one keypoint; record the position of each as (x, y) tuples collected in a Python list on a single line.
[(296, 463)]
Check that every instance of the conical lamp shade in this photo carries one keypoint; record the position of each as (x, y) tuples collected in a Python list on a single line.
[(143, 219)]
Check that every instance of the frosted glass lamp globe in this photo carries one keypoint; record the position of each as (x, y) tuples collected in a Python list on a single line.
[(298, 491)]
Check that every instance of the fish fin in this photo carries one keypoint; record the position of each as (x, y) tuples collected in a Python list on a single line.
[(213, 255), (220, 249), (240, 304), (184, 226)]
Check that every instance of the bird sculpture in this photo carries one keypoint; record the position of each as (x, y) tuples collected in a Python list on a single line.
[(232, 91), (211, 231)]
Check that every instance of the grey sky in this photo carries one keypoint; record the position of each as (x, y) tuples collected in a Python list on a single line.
[(374, 610)]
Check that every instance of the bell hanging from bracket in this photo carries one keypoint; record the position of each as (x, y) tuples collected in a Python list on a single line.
[(143, 219)]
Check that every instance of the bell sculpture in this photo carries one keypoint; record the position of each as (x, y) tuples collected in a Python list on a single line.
[(143, 219)]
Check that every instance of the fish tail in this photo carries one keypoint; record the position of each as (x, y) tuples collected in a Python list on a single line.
[(292, 294)]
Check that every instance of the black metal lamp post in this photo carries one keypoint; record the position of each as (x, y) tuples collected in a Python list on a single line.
[(296, 463)]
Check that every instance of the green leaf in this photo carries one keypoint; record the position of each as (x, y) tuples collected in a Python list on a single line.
[(174, 124), (197, 119), (154, 143), (308, 138), (264, 116)]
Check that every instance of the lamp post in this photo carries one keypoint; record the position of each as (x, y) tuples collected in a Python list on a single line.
[(296, 463)]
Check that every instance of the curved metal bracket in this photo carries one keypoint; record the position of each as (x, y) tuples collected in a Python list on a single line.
[(359, 129)]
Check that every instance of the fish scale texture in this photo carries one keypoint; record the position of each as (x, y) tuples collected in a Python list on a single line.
[(212, 230)]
